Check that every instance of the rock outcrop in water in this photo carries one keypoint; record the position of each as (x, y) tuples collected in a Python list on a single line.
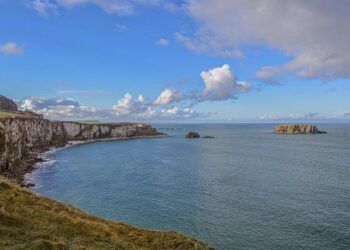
[(208, 137), (297, 129), (22, 138), (192, 135)]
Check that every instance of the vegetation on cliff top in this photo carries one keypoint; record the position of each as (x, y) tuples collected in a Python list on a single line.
[(28, 221)]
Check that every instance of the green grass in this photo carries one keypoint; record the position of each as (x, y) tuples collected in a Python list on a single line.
[(6, 114), (28, 221)]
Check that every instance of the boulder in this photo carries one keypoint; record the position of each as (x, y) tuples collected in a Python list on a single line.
[(192, 135), (7, 104)]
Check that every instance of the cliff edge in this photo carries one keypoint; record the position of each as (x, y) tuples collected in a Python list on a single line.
[(24, 135), (297, 129)]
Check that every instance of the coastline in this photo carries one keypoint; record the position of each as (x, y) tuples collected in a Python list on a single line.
[(40, 158)]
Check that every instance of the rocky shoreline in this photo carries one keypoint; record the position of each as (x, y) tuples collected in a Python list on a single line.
[(24, 138), (40, 158)]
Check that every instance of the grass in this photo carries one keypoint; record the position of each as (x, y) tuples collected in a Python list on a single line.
[(7, 114), (28, 221)]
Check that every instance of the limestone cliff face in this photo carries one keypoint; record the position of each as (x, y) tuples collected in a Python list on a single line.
[(21, 139), (297, 129)]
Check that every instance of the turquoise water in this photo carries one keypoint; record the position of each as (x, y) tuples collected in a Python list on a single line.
[(245, 189)]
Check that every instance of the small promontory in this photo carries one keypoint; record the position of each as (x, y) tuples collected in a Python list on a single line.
[(297, 129), (7, 104)]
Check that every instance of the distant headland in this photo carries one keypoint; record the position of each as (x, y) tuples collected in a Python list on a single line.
[(31, 221)]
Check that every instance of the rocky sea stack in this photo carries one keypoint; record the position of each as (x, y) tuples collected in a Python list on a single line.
[(192, 135), (297, 129)]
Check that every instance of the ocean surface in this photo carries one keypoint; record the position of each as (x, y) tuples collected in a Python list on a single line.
[(245, 189)]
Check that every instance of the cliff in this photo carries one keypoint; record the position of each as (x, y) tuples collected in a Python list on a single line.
[(22, 138), (7, 104), (297, 129), (28, 221)]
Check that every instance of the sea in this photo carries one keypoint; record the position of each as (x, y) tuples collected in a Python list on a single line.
[(247, 188)]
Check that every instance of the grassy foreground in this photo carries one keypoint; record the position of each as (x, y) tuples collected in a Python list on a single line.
[(28, 221)]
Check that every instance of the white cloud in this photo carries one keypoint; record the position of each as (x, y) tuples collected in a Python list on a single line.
[(163, 42), (62, 109), (314, 34), (11, 48), (175, 112), (221, 84), (43, 7), (167, 96), (127, 106)]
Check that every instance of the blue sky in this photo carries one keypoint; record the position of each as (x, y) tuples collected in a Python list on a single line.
[(179, 60)]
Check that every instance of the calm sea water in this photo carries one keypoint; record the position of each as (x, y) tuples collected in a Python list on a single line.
[(245, 189)]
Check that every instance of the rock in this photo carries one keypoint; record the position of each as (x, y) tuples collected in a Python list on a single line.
[(192, 135), (208, 137), (23, 138), (297, 129), (7, 104)]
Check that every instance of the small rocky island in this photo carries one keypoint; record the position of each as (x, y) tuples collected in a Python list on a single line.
[(297, 129), (192, 134)]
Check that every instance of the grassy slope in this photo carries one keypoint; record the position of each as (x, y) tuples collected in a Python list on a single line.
[(4, 114), (28, 221)]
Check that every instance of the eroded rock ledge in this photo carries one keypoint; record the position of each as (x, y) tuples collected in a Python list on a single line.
[(297, 129), (22, 138)]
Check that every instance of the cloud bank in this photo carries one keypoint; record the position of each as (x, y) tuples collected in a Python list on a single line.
[(314, 34), (219, 84)]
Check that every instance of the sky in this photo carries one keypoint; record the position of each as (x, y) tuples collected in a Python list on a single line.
[(178, 61)]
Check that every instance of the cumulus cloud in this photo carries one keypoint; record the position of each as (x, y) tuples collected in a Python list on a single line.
[(11, 48), (128, 106), (175, 112), (314, 34), (62, 109), (221, 84), (167, 96), (163, 42)]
